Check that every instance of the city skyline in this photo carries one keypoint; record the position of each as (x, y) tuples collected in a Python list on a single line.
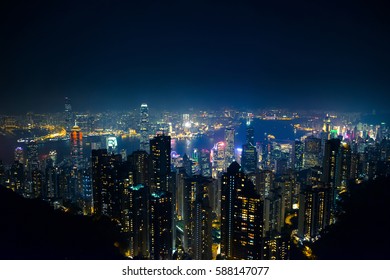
[(107, 55), (204, 130)]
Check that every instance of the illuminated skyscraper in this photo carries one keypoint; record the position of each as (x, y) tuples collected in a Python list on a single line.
[(197, 217), (205, 164), (110, 181), (161, 225), (68, 115), (140, 163), (314, 212), (19, 155), (241, 216), (311, 156), (249, 153), (160, 153), (144, 127), (298, 155), (76, 139), (218, 159), (139, 220), (229, 152)]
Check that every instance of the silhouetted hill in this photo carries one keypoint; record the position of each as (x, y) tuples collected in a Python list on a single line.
[(362, 232), (31, 229)]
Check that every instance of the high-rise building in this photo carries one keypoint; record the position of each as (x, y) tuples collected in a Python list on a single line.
[(140, 164), (249, 157), (197, 216), (161, 225), (229, 151), (110, 181), (19, 155), (218, 159), (241, 216), (298, 155), (144, 127), (314, 213), (139, 221), (76, 139), (205, 164), (160, 153), (312, 153), (68, 115), (201, 248)]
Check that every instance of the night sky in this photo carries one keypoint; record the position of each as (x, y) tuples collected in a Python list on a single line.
[(114, 55)]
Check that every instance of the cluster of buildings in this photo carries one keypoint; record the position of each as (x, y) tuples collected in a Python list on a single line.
[(227, 202)]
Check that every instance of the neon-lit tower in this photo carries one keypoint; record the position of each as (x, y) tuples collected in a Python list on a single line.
[(144, 127)]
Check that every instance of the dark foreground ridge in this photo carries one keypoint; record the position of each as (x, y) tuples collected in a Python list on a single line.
[(362, 231), (31, 229)]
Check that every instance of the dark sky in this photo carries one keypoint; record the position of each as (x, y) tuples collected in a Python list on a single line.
[(117, 54)]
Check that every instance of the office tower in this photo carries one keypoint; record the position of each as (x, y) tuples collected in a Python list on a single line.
[(330, 170), (187, 164), (139, 220), (241, 216), (140, 164), (250, 133), (343, 167), (144, 127), (68, 115), (298, 155), (32, 155), (36, 183), (311, 156), (161, 225), (325, 134), (160, 153), (314, 213), (16, 178), (218, 159), (19, 155), (249, 153), (76, 140), (205, 164), (266, 182), (229, 152), (112, 145)]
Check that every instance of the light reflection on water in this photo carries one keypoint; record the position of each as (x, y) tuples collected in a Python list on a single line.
[(282, 130)]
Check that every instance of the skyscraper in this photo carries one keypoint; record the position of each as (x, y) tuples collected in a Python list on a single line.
[(249, 154), (241, 216), (314, 212), (161, 225), (160, 153), (76, 140), (144, 127), (68, 114), (229, 151), (140, 164), (312, 153), (139, 220)]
